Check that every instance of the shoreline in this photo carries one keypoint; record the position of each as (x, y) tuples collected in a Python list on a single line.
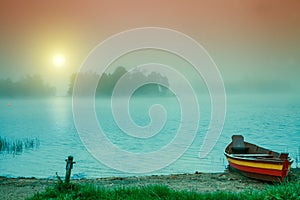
[(21, 188)]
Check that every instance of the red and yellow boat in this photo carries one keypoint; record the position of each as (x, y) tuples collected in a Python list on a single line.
[(257, 162)]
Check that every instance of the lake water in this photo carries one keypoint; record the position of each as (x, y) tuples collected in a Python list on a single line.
[(272, 121)]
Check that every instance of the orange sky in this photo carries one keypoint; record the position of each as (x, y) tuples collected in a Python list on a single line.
[(246, 37)]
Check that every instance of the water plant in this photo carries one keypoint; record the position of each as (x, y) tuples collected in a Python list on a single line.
[(297, 159), (17, 146)]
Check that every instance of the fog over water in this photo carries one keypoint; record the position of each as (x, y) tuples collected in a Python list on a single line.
[(271, 121), (254, 44)]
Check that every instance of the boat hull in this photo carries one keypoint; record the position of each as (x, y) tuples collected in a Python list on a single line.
[(274, 172)]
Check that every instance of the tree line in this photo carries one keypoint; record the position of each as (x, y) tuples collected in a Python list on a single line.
[(108, 81), (31, 85)]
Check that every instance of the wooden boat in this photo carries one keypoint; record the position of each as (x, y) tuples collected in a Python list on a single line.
[(257, 162)]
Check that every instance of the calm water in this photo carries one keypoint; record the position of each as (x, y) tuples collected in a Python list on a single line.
[(271, 121)]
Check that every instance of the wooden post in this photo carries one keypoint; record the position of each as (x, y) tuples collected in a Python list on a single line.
[(69, 166)]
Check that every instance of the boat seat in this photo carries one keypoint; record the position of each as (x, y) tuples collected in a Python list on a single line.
[(253, 155), (239, 150), (238, 145)]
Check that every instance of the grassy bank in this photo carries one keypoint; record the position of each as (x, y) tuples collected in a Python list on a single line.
[(290, 190)]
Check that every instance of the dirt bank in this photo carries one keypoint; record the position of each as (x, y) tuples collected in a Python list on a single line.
[(21, 188)]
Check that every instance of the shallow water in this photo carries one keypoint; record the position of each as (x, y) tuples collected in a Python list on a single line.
[(272, 121)]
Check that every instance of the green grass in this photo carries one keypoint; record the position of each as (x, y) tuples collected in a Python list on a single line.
[(287, 191)]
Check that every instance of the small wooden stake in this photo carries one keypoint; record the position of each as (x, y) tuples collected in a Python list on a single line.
[(69, 166)]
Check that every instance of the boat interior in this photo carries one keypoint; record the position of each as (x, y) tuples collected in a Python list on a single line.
[(239, 148)]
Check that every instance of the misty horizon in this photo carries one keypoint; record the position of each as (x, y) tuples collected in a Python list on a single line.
[(231, 87)]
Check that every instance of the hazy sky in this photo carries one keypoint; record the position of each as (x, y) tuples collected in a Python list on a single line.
[(250, 40)]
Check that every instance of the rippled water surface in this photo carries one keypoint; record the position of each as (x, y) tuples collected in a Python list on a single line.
[(272, 121)]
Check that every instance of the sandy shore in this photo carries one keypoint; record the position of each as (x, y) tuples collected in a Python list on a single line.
[(21, 188)]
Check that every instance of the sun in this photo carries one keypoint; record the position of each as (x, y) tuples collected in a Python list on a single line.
[(58, 60)]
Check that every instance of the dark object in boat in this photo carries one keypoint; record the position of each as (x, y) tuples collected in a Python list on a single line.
[(257, 162)]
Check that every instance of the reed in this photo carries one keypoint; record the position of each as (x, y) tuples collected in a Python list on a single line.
[(18, 146), (298, 158)]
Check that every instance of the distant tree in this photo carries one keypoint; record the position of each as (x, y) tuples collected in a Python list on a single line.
[(108, 81), (71, 83), (31, 85), (157, 88), (86, 77)]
